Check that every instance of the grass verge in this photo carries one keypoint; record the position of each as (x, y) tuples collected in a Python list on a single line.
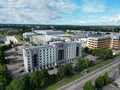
[(79, 75), (64, 82), (93, 68)]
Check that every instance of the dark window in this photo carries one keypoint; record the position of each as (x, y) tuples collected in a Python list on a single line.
[(60, 54), (77, 51), (35, 60)]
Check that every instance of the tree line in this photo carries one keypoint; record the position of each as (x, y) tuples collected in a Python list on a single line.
[(64, 27), (5, 77), (104, 54)]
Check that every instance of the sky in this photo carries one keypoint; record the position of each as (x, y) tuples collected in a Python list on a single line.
[(60, 12)]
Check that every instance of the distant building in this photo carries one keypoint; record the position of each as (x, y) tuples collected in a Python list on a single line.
[(28, 35), (7, 39), (44, 39), (48, 32), (47, 56)]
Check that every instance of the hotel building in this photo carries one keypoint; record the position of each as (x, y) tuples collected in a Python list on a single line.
[(55, 54)]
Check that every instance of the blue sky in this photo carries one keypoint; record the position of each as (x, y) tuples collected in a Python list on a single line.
[(73, 12)]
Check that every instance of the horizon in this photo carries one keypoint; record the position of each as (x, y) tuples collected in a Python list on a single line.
[(61, 12)]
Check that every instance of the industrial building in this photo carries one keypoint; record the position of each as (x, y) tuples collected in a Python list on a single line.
[(47, 56), (46, 39), (28, 35), (48, 32)]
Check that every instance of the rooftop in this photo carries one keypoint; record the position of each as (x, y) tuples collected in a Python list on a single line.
[(49, 32)]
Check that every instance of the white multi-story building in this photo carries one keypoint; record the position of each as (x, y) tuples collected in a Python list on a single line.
[(55, 54)]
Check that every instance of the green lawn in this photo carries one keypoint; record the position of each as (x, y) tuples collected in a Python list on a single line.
[(64, 82), (70, 79), (100, 65)]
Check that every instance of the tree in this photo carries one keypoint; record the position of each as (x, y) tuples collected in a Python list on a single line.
[(2, 58), (69, 69), (39, 79), (86, 49), (103, 53), (106, 78), (82, 64), (16, 84), (34, 80), (88, 86), (61, 72), (65, 71), (44, 78), (99, 82), (5, 78)]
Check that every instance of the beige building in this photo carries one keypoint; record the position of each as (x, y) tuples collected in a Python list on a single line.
[(112, 42), (115, 43)]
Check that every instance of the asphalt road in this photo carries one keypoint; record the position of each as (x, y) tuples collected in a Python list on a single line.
[(78, 84)]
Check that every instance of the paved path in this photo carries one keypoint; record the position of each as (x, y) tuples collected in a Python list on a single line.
[(78, 84)]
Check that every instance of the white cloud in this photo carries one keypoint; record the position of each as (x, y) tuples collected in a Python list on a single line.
[(33, 11), (93, 6), (81, 22), (111, 20), (101, 21)]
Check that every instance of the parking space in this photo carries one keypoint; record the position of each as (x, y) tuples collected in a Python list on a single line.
[(16, 70), (15, 61)]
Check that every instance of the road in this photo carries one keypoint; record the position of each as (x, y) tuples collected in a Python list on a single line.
[(78, 84)]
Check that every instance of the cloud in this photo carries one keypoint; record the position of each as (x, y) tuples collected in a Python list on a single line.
[(101, 21), (93, 6), (33, 11), (111, 20), (81, 22)]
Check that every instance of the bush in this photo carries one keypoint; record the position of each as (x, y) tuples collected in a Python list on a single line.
[(114, 84)]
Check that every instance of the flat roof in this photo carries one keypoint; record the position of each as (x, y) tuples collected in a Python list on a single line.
[(99, 38), (36, 47)]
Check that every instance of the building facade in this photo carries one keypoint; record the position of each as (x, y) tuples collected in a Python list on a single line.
[(55, 54), (112, 42), (99, 42), (115, 41)]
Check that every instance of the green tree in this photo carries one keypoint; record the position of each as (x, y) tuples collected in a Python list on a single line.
[(82, 64), (5, 78), (61, 72), (39, 79), (69, 69), (99, 82), (106, 78), (65, 71), (88, 86), (103, 53), (86, 49), (16, 84)]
